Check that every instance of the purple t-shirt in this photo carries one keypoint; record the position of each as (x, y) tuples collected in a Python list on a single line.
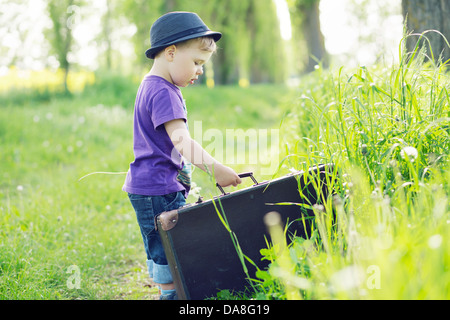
[(155, 167)]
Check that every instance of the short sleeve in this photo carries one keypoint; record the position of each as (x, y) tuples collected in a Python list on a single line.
[(166, 106)]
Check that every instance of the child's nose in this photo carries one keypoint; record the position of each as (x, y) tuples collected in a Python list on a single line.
[(200, 70)]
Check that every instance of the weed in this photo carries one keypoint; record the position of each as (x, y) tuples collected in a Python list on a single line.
[(387, 132)]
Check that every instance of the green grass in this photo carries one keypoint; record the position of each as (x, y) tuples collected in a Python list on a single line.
[(386, 129), (51, 221), (385, 232)]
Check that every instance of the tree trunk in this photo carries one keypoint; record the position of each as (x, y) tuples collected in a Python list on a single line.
[(313, 35), (428, 15), (107, 34), (64, 17)]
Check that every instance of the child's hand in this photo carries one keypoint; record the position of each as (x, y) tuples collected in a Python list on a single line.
[(226, 176), (195, 154)]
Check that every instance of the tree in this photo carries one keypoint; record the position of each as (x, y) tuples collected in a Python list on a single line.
[(267, 54), (231, 62), (107, 31), (305, 16), (250, 48), (142, 13), (427, 15), (15, 25), (63, 14)]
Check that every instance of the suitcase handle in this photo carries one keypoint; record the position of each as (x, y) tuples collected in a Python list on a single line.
[(241, 175)]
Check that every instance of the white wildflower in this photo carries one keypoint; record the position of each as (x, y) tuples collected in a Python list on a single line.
[(409, 152), (435, 241)]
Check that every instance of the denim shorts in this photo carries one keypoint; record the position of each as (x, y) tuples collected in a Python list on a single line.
[(146, 208)]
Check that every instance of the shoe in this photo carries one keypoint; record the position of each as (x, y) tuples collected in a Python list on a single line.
[(172, 296)]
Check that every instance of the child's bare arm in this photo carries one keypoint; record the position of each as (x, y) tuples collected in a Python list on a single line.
[(195, 154)]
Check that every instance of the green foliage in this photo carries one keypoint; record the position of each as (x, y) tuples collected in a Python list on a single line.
[(113, 89), (63, 15), (60, 35), (249, 27), (50, 221), (383, 235), (385, 232), (21, 96)]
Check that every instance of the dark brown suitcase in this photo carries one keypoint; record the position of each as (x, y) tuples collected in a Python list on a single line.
[(200, 251)]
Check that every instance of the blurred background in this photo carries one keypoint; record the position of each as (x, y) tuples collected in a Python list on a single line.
[(265, 41)]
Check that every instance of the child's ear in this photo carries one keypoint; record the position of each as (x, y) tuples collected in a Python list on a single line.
[(169, 52)]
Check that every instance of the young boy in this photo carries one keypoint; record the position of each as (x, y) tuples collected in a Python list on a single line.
[(158, 179)]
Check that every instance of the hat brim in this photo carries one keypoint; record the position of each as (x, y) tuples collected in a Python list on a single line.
[(150, 53)]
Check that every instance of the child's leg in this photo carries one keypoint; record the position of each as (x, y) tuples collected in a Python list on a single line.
[(146, 207)]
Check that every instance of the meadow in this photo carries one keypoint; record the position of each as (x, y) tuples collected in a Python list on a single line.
[(383, 235), (66, 238), (385, 232)]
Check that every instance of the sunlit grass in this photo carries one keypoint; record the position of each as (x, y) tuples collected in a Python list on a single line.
[(51, 222), (385, 232), (386, 129)]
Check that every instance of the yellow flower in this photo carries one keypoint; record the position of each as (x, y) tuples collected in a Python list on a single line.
[(244, 83)]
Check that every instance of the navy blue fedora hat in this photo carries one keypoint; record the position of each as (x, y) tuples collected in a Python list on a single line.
[(175, 27)]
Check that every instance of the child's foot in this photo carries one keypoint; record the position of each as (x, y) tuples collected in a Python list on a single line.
[(168, 295)]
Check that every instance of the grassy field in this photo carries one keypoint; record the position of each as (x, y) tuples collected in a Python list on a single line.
[(385, 129), (62, 238), (385, 233)]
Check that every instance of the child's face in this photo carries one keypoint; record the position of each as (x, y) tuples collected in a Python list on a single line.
[(187, 64)]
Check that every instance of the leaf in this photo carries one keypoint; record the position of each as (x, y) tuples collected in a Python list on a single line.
[(304, 205)]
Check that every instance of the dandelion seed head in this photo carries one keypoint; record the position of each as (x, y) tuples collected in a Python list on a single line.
[(435, 241), (409, 152)]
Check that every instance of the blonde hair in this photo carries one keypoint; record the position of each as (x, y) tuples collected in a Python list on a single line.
[(206, 43)]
